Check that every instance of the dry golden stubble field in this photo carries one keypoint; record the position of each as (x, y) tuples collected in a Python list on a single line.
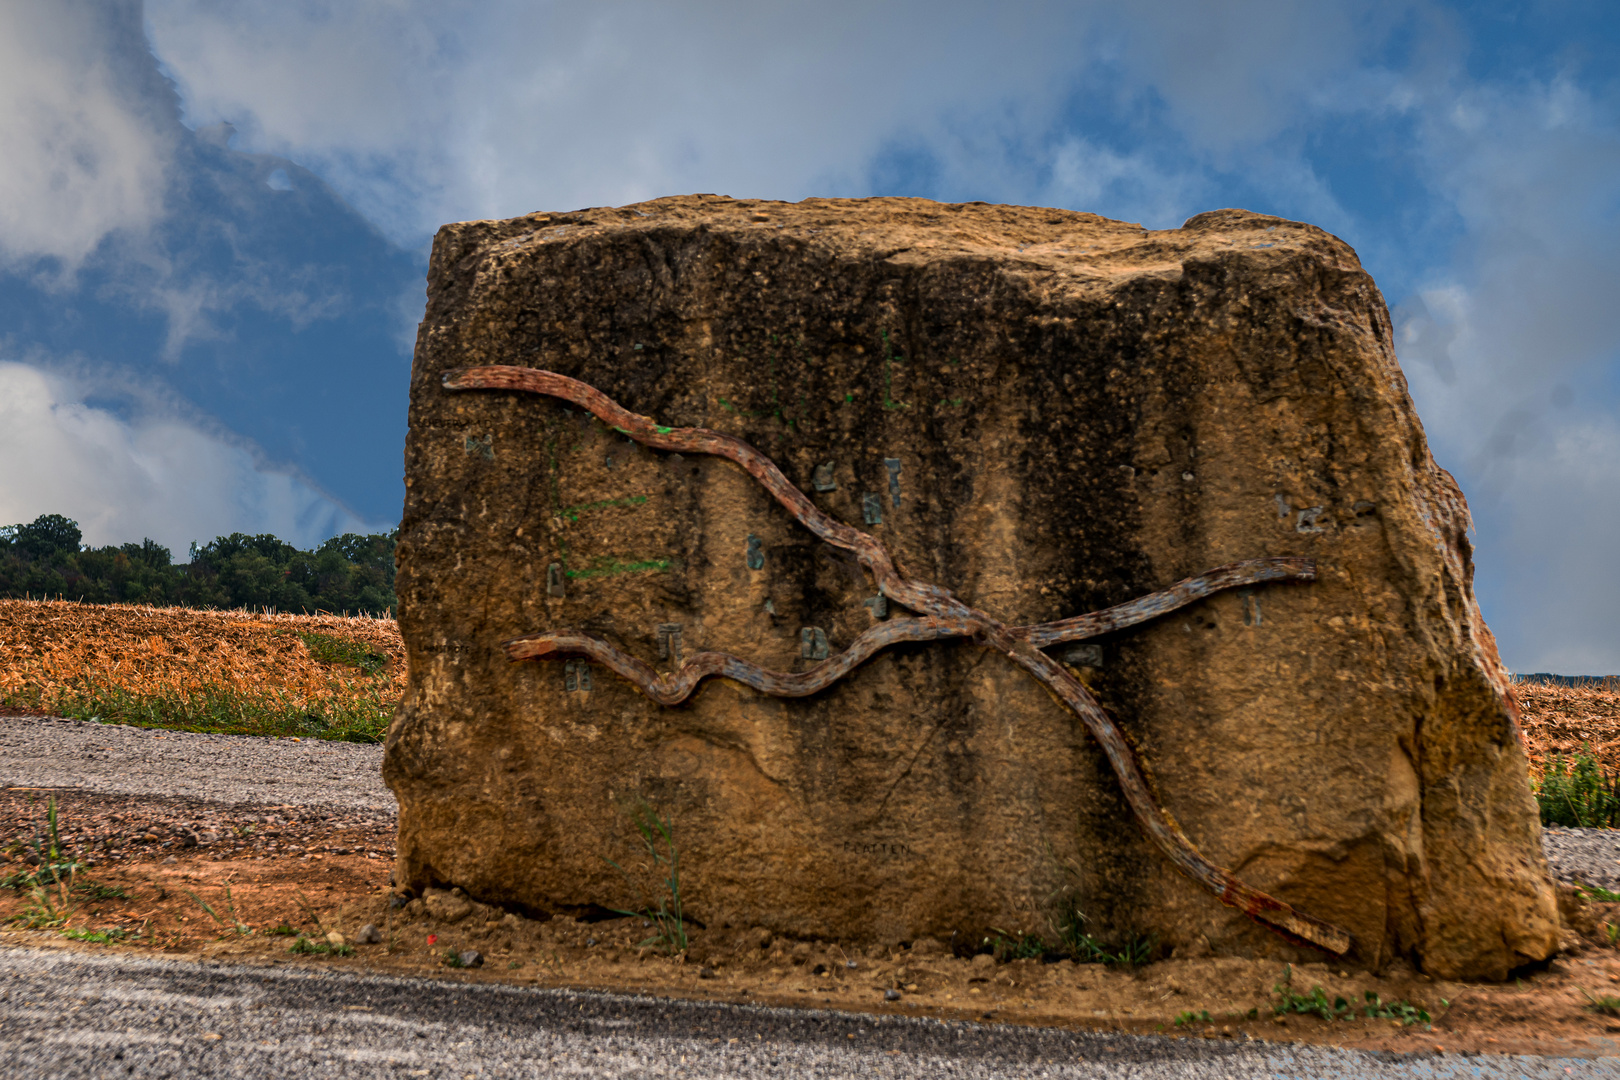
[(242, 672), (66, 657), (1570, 719)]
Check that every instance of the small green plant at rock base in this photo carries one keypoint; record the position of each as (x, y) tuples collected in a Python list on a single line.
[(657, 835), (1579, 794), (1407, 1013), (1200, 1017), (451, 958), (1085, 949), (1069, 922), (1316, 1004), (112, 935), (1313, 1004), (306, 946), (1598, 893), (282, 931), (1007, 946), (1607, 1004)]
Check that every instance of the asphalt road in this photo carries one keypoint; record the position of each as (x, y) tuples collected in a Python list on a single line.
[(68, 1015)]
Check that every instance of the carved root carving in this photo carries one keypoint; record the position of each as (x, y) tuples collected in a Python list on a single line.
[(942, 615)]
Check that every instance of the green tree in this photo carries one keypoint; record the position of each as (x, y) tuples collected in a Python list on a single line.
[(348, 573)]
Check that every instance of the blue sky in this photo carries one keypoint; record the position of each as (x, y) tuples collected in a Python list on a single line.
[(214, 218)]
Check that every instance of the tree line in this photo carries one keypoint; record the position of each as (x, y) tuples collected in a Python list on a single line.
[(346, 574)]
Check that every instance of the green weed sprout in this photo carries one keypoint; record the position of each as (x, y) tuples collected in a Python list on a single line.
[(657, 835)]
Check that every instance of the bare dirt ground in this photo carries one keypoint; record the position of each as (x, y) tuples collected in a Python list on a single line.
[(314, 872)]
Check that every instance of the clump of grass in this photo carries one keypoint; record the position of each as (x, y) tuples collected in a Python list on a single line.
[(1598, 893), (51, 858), (1189, 1017), (1607, 1004), (1007, 946), (307, 946), (282, 931), (1316, 1003), (657, 835), (1579, 794), (52, 906), (95, 890), (1076, 943), (232, 923), (1404, 1011), (111, 935), (335, 650), (362, 717), (53, 884)]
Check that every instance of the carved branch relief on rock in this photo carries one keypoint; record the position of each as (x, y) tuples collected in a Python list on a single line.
[(939, 615)]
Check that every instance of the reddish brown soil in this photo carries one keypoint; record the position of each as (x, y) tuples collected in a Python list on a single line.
[(317, 889)]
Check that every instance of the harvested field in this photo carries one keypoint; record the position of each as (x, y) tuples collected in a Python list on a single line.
[(230, 671), (188, 669), (1568, 720)]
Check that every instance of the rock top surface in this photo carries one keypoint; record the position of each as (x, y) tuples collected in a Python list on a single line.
[(1046, 412)]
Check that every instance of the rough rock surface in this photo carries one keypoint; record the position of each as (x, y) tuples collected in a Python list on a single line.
[(1052, 412)]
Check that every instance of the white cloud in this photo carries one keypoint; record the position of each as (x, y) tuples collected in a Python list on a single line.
[(157, 476), (1511, 351), (502, 108), (85, 144), (499, 108)]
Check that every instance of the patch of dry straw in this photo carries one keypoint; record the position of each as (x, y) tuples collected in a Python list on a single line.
[(49, 648), (1570, 719)]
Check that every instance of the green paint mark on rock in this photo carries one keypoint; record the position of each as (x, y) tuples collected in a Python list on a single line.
[(573, 513), (607, 567)]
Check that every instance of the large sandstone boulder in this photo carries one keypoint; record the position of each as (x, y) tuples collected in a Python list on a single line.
[(1046, 412)]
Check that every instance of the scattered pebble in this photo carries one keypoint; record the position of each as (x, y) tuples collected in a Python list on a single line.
[(472, 958), (369, 934), (1590, 856)]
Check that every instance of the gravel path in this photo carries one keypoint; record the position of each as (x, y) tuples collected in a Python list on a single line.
[(235, 770), (1590, 856), (227, 769), (69, 1015)]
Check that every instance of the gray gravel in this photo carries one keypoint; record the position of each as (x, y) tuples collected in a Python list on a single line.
[(37, 751), (1589, 856), (68, 1015)]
